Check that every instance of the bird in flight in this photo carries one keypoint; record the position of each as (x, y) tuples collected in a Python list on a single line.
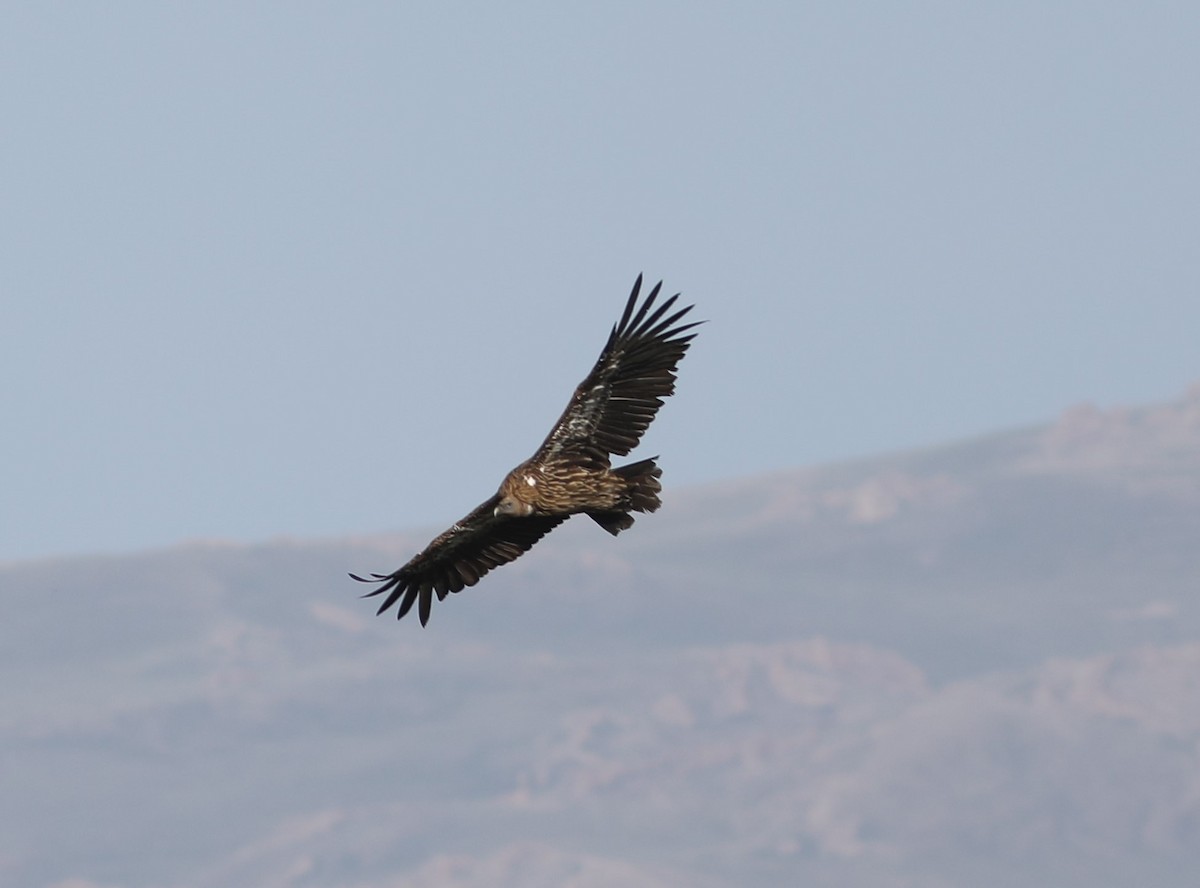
[(571, 473)]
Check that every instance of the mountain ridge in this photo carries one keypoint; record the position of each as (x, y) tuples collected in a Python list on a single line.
[(952, 666)]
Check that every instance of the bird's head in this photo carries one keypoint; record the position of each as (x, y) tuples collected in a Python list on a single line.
[(510, 505)]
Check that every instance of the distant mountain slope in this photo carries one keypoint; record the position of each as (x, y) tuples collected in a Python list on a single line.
[(970, 665)]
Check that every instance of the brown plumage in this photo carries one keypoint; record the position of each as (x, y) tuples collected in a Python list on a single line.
[(571, 472)]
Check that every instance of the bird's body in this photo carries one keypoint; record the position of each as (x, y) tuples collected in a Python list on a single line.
[(571, 473), (565, 488)]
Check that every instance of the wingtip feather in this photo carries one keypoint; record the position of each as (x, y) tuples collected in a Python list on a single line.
[(629, 304)]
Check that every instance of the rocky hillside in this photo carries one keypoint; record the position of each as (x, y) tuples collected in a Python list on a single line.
[(974, 665)]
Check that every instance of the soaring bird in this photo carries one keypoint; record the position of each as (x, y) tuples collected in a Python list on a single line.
[(571, 473)]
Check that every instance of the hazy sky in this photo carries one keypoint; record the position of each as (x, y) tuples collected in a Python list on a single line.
[(285, 269)]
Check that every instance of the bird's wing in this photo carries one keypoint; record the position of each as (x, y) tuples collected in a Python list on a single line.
[(612, 408), (459, 557)]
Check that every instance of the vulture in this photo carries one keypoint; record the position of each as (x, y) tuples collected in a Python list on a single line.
[(571, 473)]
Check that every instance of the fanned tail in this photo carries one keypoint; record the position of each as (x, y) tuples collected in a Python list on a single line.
[(642, 488)]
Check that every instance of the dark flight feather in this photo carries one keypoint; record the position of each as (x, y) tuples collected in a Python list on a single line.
[(458, 557), (615, 404)]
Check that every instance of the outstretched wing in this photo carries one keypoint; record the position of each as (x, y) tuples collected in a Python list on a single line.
[(612, 408), (459, 557)]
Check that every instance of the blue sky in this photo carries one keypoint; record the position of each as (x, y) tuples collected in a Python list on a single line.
[(277, 270)]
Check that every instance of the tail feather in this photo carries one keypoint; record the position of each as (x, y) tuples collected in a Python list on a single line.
[(642, 488), (642, 484)]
